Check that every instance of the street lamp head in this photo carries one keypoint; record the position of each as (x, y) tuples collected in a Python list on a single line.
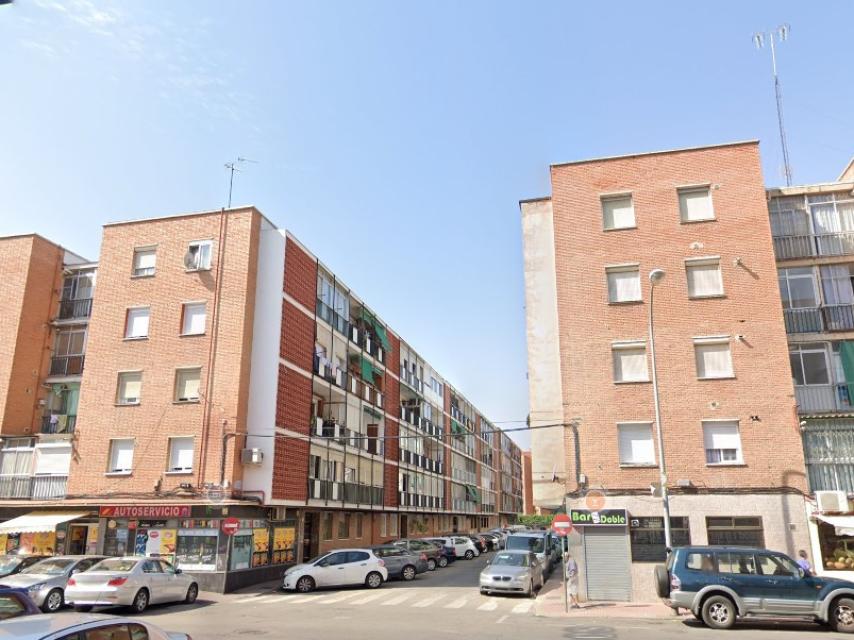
[(656, 275)]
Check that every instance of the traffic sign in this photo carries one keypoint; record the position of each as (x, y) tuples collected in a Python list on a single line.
[(561, 524), (230, 526)]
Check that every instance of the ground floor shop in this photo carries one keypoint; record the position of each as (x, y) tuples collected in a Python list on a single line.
[(618, 545), (832, 540)]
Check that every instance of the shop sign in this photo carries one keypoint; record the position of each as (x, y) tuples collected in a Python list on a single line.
[(230, 526), (145, 511), (601, 518)]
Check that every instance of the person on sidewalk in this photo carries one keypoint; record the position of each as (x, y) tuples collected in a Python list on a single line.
[(804, 563), (571, 569)]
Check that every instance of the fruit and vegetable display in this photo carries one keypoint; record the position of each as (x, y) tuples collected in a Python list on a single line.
[(840, 560)]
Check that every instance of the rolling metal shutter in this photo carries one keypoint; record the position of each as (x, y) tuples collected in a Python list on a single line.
[(608, 568)]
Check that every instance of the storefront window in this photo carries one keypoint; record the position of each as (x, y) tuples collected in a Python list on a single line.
[(241, 550), (284, 544), (735, 532), (647, 537), (261, 550), (197, 549), (837, 552)]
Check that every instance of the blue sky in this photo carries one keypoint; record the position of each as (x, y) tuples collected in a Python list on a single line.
[(394, 138)]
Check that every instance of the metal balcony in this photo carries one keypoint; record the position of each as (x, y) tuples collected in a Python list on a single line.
[(824, 398), (66, 365), (831, 317), (75, 309), (54, 423), (27, 487)]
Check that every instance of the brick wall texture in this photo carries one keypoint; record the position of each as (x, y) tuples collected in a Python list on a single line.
[(740, 235)]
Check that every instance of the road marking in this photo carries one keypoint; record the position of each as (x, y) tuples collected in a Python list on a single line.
[(501, 619), (426, 602), (457, 604), (255, 598), (304, 599), (523, 607), (273, 599), (369, 598), (340, 597), (398, 599), (489, 605)]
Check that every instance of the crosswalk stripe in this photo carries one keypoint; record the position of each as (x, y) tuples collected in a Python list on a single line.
[(457, 604), (398, 599), (277, 599), (426, 602), (303, 599), (523, 607), (369, 598), (489, 605), (338, 597), (255, 598)]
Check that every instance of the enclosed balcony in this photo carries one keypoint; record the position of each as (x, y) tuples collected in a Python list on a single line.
[(75, 309), (812, 226)]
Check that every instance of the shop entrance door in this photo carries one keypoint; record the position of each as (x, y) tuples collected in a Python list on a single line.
[(310, 536), (607, 565), (77, 535)]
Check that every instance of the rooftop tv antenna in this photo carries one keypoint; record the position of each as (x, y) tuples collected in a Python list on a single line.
[(780, 34), (232, 167)]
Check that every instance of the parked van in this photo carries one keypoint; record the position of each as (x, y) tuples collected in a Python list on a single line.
[(538, 542)]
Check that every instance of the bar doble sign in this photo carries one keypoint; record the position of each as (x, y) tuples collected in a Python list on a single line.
[(601, 518)]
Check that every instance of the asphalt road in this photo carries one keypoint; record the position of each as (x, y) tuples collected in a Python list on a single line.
[(443, 604)]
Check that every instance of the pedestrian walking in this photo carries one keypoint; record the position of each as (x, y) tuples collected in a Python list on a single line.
[(804, 563), (571, 569)]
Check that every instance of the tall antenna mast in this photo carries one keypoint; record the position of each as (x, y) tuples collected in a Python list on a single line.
[(232, 167), (781, 33)]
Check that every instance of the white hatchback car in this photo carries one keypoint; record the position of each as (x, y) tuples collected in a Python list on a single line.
[(464, 546), (337, 568)]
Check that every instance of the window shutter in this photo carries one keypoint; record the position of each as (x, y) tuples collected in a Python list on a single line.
[(137, 323), (195, 317), (121, 455), (721, 435), (618, 212), (704, 279), (146, 259), (696, 204), (630, 364), (635, 444), (624, 286), (713, 360), (53, 460), (181, 454)]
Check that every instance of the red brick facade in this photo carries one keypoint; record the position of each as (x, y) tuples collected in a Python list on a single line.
[(300, 275)]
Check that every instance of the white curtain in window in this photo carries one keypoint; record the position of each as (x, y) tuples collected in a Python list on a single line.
[(145, 259), (696, 204), (188, 384), (713, 360), (130, 387), (137, 323), (704, 279), (721, 435), (121, 455), (618, 213), (630, 364), (195, 316), (636, 445), (54, 460), (624, 286), (180, 454), (836, 284)]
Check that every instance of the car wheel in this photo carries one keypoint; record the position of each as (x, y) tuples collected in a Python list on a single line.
[(842, 615), (305, 584), (719, 612), (83, 608), (192, 594), (431, 564), (373, 580), (53, 602), (443, 562), (408, 573), (662, 581), (469, 554), (140, 601), (484, 592), (531, 593)]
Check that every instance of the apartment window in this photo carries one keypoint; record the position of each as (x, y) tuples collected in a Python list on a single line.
[(194, 319), (695, 204), (798, 287), (809, 364), (635, 443), (618, 212), (181, 454), (187, 384), (129, 387), (735, 532), (121, 456), (647, 537), (623, 283), (343, 526), (136, 323), (327, 525), (198, 257), (383, 525), (144, 260), (704, 277), (722, 442), (359, 517), (713, 356), (629, 362), (393, 521)]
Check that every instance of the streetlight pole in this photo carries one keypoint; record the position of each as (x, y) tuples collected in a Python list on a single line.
[(655, 276)]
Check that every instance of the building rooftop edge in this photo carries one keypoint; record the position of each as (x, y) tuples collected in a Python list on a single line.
[(188, 214), (530, 200), (660, 152)]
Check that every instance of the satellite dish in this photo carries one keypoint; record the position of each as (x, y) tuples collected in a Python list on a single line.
[(190, 260)]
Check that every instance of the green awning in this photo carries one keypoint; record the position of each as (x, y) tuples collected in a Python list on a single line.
[(367, 370), (457, 428), (846, 354), (381, 334), (473, 493)]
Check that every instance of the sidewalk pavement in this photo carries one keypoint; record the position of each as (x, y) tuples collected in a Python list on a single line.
[(550, 604)]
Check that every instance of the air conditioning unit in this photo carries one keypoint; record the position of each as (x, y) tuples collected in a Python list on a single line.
[(832, 501), (252, 456)]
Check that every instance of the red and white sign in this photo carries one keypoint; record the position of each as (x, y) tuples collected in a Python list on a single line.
[(154, 512), (230, 526), (561, 524)]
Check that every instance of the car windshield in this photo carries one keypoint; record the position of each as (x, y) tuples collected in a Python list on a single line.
[(512, 560), (11, 607), (8, 563), (51, 566), (117, 565), (526, 543), (315, 558)]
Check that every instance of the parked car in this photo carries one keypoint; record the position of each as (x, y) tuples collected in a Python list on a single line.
[(338, 568), (15, 603), (422, 546), (722, 584), (46, 580), (463, 546), (493, 541), (479, 542), (11, 564), (449, 554), (79, 626), (401, 563), (539, 542), (513, 572), (132, 582)]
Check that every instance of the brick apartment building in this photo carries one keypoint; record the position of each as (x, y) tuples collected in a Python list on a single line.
[(228, 375), (731, 439)]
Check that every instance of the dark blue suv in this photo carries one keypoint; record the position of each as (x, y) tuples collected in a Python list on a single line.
[(720, 584)]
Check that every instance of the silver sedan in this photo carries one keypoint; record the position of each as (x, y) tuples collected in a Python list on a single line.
[(46, 580), (133, 582), (512, 572)]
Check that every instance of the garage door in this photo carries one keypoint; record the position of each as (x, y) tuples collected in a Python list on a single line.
[(608, 568)]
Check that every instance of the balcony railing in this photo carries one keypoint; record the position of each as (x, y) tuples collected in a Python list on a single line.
[(330, 428), (420, 460), (840, 243), (464, 506), (824, 398), (26, 487), (74, 309), (325, 370), (338, 322), (409, 499), (835, 317), (55, 423), (66, 365), (345, 491)]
